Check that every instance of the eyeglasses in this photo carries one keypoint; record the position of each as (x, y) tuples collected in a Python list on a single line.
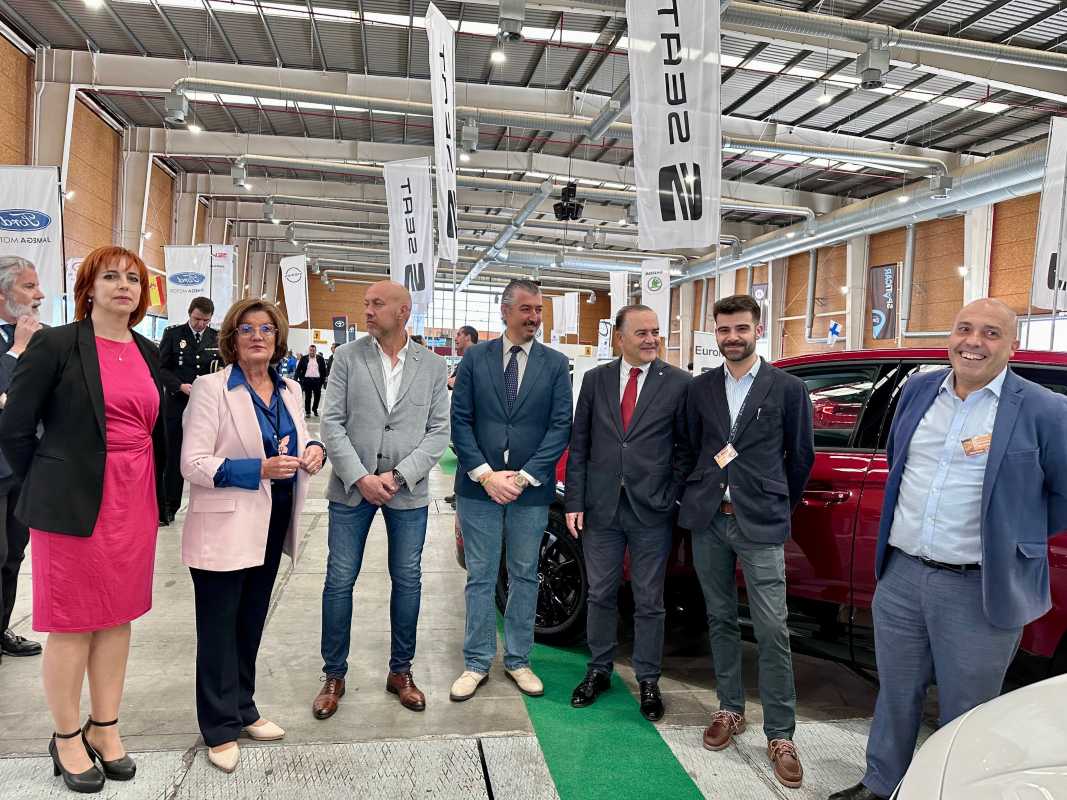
[(265, 330)]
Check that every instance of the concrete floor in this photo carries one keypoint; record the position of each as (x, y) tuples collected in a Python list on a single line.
[(372, 747)]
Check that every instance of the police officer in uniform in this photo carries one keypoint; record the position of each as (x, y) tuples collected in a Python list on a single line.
[(186, 352)]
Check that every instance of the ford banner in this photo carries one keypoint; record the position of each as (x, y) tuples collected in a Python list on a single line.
[(188, 276), (31, 227), (674, 89)]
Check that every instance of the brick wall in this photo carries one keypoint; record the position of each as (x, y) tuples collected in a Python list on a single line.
[(1011, 260), (201, 225), (16, 93), (937, 288), (830, 276), (93, 175), (884, 248)]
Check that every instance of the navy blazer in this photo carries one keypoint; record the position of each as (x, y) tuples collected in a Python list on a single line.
[(536, 431), (1024, 492)]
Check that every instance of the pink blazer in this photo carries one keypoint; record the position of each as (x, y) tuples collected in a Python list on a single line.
[(226, 529)]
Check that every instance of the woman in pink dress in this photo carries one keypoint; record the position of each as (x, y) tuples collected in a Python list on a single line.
[(91, 494)]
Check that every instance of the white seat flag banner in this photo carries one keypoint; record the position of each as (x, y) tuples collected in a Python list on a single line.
[(656, 290), (294, 274), (31, 227), (559, 317), (442, 41), (223, 275), (411, 257), (620, 291), (1050, 271), (188, 276), (571, 309), (674, 90)]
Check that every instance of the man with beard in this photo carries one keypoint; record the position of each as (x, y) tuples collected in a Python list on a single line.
[(751, 425), (20, 301)]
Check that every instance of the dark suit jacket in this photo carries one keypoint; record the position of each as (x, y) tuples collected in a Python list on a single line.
[(302, 367), (57, 384), (776, 451), (7, 369), (182, 361), (650, 460), (1024, 491), (536, 431)]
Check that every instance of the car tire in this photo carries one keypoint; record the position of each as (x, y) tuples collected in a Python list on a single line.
[(563, 586)]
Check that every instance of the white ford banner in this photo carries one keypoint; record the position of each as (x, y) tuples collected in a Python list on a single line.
[(411, 258), (31, 227), (674, 89), (1050, 272), (294, 275), (442, 40), (223, 275), (188, 276)]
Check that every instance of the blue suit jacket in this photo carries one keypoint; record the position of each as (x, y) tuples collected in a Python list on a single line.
[(1024, 493), (535, 432)]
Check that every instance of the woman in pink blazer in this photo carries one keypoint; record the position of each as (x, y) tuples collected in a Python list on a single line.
[(247, 457)]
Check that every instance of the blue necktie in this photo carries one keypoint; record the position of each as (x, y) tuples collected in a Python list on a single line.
[(9, 332), (511, 376)]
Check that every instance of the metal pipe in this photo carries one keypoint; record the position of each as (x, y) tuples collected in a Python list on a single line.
[(874, 159), (905, 283), (508, 233), (611, 111), (733, 204), (809, 309)]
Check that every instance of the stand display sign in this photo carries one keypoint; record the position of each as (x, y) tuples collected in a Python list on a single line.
[(31, 227)]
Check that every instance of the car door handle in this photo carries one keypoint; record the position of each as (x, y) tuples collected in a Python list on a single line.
[(824, 499)]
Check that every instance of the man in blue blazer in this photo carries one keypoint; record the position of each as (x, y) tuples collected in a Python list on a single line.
[(977, 484), (511, 420)]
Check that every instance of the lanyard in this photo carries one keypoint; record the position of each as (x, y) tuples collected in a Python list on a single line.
[(740, 411), (275, 423)]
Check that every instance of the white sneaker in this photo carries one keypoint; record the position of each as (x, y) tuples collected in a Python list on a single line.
[(528, 683), (466, 685), (266, 731), (227, 759)]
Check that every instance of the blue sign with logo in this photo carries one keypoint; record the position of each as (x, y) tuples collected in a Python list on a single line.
[(187, 278), (23, 219)]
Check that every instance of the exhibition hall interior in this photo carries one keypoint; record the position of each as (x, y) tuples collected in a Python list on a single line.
[(533, 399)]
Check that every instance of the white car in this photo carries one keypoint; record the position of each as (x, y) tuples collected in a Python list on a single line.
[(1012, 748)]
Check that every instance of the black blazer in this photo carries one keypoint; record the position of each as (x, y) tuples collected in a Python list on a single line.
[(651, 460), (776, 450), (302, 367), (57, 385)]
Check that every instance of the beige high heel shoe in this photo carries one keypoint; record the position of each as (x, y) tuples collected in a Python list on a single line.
[(266, 731), (227, 759)]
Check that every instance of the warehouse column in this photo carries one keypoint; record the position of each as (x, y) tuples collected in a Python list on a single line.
[(856, 299)]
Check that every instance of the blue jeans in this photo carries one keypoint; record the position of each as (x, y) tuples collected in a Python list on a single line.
[(487, 527), (406, 529), (928, 623), (716, 552)]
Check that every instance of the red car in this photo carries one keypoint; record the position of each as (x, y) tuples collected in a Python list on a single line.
[(830, 556)]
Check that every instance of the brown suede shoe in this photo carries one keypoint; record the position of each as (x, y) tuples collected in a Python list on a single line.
[(329, 696), (787, 769), (724, 724), (403, 686)]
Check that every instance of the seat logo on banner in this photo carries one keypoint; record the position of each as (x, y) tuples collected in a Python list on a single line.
[(678, 187), (410, 203), (442, 60)]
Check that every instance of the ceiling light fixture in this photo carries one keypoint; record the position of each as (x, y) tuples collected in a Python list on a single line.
[(903, 198), (68, 195), (844, 290), (592, 297), (147, 235), (825, 98), (962, 271), (194, 128), (464, 156)]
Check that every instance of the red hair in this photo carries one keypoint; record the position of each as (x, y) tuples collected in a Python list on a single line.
[(104, 258)]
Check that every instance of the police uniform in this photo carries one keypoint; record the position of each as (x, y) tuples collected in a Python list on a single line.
[(183, 359)]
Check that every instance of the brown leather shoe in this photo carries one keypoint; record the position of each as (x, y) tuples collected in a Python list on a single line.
[(403, 686), (787, 769), (329, 696), (724, 724)]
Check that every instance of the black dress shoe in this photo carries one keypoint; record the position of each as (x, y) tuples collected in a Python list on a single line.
[(89, 782), (591, 687), (14, 645), (651, 702), (120, 769), (857, 792)]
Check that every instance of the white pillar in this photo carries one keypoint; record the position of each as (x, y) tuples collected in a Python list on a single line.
[(187, 211), (725, 284), (777, 272), (53, 118), (686, 295), (856, 250), (977, 251)]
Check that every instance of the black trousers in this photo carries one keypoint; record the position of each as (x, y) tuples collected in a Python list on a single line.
[(13, 540), (231, 610), (172, 478), (312, 392)]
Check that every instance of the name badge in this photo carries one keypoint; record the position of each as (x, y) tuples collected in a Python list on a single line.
[(977, 445), (725, 456)]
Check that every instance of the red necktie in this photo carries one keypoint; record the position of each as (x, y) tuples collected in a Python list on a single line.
[(629, 398)]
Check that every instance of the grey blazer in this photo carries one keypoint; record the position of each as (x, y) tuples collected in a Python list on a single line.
[(363, 438)]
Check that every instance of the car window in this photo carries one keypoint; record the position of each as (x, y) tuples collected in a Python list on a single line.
[(907, 371), (838, 395), (875, 417), (1051, 378)]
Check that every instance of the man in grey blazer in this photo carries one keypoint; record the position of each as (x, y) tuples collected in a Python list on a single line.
[(20, 298), (385, 425), (629, 458)]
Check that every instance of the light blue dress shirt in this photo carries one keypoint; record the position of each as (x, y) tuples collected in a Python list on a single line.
[(736, 391), (939, 509)]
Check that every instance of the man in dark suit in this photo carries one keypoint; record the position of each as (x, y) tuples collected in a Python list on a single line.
[(186, 352), (751, 427), (310, 374), (629, 456), (511, 419), (977, 484), (20, 299)]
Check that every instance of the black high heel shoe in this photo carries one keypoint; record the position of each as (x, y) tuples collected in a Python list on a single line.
[(88, 782), (121, 769)]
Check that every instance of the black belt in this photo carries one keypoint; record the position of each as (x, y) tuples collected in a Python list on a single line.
[(962, 569)]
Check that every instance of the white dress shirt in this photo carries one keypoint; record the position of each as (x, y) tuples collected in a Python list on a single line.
[(521, 358), (312, 370), (393, 374), (736, 391), (624, 377)]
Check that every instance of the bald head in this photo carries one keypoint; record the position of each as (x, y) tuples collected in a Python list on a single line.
[(387, 307), (982, 342)]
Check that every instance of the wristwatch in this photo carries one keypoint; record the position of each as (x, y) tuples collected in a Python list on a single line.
[(521, 481), (398, 478)]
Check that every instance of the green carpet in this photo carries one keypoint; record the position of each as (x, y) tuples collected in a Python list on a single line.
[(606, 751)]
